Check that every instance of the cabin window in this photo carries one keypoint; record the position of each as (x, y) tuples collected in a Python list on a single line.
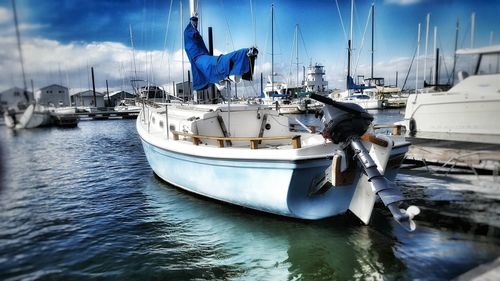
[(161, 124), (268, 126), (172, 127), (16, 94), (153, 120)]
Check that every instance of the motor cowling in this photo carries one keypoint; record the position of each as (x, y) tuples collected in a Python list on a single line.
[(344, 121)]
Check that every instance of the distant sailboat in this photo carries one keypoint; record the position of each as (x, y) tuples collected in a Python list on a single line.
[(34, 115), (354, 92)]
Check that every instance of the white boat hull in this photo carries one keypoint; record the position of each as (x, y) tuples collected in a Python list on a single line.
[(30, 118), (271, 180), (366, 104), (272, 186), (462, 110)]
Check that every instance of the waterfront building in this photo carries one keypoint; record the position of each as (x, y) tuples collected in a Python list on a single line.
[(15, 98), (116, 97), (184, 90), (315, 81), (53, 95), (86, 98)]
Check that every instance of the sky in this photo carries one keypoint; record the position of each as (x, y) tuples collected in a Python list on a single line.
[(62, 39)]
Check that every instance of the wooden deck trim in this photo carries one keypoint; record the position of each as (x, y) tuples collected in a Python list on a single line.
[(396, 129), (254, 141), (373, 139)]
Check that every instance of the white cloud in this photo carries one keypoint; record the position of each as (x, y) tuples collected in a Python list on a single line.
[(48, 61), (5, 15)]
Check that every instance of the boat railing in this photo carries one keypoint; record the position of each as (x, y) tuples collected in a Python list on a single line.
[(254, 141)]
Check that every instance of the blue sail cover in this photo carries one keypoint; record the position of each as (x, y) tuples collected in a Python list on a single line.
[(352, 86), (209, 69)]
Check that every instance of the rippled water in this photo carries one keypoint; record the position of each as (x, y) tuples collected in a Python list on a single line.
[(83, 204)]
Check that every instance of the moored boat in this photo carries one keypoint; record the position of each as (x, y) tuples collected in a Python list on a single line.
[(470, 108), (276, 170), (248, 156), (32, 117)]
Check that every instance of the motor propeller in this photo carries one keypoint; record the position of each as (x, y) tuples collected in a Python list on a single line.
[(346, 123)]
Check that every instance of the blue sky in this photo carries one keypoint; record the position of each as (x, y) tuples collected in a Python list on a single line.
[(63, 38)]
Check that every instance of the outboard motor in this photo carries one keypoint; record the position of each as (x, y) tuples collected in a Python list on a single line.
[(346, 123)]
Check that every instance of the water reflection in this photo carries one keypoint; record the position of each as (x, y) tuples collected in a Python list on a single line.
[(250, 245), (80, 204)]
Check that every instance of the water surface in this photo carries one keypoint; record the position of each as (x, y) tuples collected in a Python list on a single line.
[(83, 203)]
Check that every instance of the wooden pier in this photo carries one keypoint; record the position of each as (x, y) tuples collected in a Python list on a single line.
[(451, 153), (454, 154)]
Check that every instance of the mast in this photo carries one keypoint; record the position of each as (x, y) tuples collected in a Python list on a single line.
[(272, 49), (297, 50), (348, 63), (352, 19), (350, 39), (18, 36), (182, 50), (93, 86), (426, 41), (193, 7), (436, 73), (455, 55), (133, 50), (373, 28), (472, 29), (418, 53), (435, 46), (211, 92), (349, 50)]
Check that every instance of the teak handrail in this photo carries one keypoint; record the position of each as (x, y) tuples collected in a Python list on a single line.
[(396, 129), (254, 141)]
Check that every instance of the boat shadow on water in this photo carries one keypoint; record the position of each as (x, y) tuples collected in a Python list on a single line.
[(245, 243)]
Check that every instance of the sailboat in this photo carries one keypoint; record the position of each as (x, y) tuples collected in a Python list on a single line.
[(354, 92), (34, 115), (248, 156)]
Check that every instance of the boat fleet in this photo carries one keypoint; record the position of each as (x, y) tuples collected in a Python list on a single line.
[(251, 155)]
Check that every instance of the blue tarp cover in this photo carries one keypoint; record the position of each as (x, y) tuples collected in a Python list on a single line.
[(209, 69), (352, 86)]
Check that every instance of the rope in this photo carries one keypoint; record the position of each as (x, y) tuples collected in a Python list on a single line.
[(362, 40), (341, 21), (409, 69), (304, 43), (227, 24), (253, 24), (166, 36)]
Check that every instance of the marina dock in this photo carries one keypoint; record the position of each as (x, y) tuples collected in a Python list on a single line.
[(469, 156)]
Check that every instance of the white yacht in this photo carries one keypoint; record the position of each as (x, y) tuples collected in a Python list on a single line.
[(363, 100), (470, 110)]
